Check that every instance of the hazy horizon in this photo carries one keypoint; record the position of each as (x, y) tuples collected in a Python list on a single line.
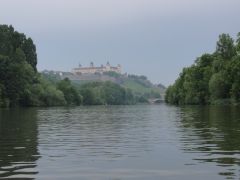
[(155, 38)]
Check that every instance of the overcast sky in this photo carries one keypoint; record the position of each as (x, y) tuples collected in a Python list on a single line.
[(156, 38)]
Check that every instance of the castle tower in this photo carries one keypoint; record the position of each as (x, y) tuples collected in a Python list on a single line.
[(108, 66), (119, 68), (91, 64)]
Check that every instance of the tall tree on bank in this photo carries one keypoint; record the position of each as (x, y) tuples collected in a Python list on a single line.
[(20, 83), (225, 47), (17, 64)]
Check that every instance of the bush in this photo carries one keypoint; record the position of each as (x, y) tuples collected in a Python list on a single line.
[(71, 95), (99, 93)]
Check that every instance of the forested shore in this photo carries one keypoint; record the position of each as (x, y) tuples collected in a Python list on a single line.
[(212, 79), (22, 85)]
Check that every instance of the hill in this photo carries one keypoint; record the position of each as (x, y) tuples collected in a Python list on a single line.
[(139, 85)]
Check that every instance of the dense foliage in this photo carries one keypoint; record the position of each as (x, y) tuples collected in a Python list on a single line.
[(20, 83), (212, 79), (103, 93), (71, 94), (18, 61)]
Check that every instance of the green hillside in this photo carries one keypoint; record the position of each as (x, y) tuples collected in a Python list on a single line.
[(139, 85), (138, 88)]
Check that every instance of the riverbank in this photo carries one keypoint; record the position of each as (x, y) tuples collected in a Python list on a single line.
[(212, 79)]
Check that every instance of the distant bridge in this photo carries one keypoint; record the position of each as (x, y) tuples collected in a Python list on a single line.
[(156, 101)]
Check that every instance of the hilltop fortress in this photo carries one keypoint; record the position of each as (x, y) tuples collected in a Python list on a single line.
[(94, 70)]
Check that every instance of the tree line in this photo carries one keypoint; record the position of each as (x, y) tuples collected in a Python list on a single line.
[(212, 79), (22, 85)]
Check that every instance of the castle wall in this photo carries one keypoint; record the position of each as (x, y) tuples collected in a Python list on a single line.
[(93, 70)]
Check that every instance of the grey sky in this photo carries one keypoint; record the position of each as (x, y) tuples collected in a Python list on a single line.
[(156, 38)]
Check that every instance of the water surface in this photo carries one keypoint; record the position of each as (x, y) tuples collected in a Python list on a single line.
[(120, 143)]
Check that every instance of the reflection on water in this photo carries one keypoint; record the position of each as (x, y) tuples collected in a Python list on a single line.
[(18, 143), (92, 133), (214, 133), (120, 142)]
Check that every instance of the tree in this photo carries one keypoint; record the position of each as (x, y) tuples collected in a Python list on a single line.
[(53, 97), (106, 93), (234, 71), (238, 43), (88, 96), (114, 94), (1, 98), (6, 46), (218, 87), (192, 86), (212, 78), (19, 77), (16, 72), (130, 99), (225, 47), (35, 95), (71, 95), (205, 60), (30, 52)]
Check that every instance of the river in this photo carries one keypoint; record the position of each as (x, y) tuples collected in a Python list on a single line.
[(139, 142)]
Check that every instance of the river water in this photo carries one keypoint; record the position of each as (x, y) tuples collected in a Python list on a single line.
[(141, 142)]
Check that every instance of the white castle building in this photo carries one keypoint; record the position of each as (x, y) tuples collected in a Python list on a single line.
[(92, 69)]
